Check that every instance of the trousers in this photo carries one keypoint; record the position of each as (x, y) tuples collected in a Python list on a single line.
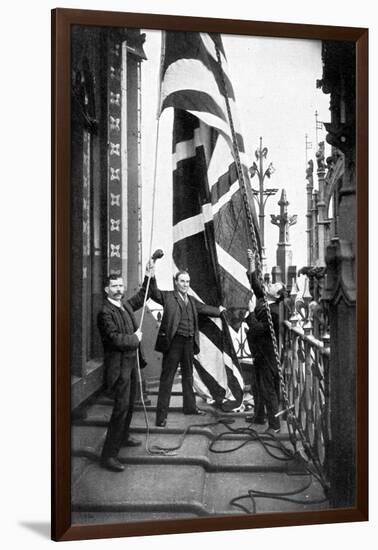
[(180, 352), (266, 391), (124, 392)]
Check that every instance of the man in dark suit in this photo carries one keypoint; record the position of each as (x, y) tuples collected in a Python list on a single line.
[(178, 340), (265, 383), (121, 339)]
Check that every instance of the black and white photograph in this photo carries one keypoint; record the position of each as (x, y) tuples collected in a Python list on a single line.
[(188, 243), (213, 295)]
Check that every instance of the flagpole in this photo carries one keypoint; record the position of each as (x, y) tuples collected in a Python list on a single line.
[(158, 113), (308, 145), (155, 177), (316, 129)]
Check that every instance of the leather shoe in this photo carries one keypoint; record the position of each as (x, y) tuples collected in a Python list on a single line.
[(197, 411), (131, 442), (112, 464), (161, 423), (272, 431)]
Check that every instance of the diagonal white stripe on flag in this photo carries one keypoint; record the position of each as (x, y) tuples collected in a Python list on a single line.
[(192, 226), (227, 359), (236, 269), (226, 197), (211, 355)]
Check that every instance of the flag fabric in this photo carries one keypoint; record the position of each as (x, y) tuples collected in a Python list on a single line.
[(210, 230)]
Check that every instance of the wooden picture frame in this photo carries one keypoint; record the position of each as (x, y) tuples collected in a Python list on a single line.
[(62, 21)]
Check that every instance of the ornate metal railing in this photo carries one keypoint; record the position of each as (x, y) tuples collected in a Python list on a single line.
[(305, 362)]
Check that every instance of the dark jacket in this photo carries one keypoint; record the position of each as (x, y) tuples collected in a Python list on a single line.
[(120, 348), (258, 335), (169, 299)]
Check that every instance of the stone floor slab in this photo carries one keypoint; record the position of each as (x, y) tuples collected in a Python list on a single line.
[(139, 486), (191, 481), (221, 489)]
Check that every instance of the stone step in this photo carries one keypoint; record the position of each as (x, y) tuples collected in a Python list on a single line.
[(220, 490), (219, 458), (99, 414), (233, 453), (86, 517), (139, 489), (86, 445), (147, 491)]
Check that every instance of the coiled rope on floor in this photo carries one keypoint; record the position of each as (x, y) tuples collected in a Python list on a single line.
[(271, 445)]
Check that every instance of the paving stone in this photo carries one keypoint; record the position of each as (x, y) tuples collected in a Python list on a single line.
[(229, 455), (86, 444), (192, 448), (140, 488), (221, 489), (99, 414), (127, 517), (191, 481), (87, 437), (78, 466)]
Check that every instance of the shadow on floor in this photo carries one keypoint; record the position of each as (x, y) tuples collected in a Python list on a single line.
[(39, 527)]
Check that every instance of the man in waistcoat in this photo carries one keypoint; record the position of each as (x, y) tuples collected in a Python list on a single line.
[(121, 339), (178, 340)]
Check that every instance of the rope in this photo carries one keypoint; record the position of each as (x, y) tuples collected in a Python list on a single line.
[(270, 443), (292, 422), (149, 450), (285, 496), (251, 228)]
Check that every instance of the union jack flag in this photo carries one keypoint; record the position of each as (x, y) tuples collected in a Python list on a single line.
[(210, 230)]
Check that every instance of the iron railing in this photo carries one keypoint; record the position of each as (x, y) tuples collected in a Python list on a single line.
[(306, 362)]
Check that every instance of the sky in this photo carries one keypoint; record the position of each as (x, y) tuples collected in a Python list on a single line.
[(274, 80)]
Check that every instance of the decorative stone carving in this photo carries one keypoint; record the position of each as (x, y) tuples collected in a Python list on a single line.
[(115, 250), (114, 174), (310, 172), (115, 149), (320, 157), (340, 280), (114, 124), (340, 135), (115, 200), (115, 99), (115, 225)]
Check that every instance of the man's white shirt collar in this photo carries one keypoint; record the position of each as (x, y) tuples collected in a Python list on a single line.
[(115, 303)]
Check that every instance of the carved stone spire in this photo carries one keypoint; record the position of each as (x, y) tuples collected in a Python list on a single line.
[(284, 221)]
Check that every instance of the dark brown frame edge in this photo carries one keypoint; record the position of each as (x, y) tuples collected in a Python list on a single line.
[(62, 19)]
